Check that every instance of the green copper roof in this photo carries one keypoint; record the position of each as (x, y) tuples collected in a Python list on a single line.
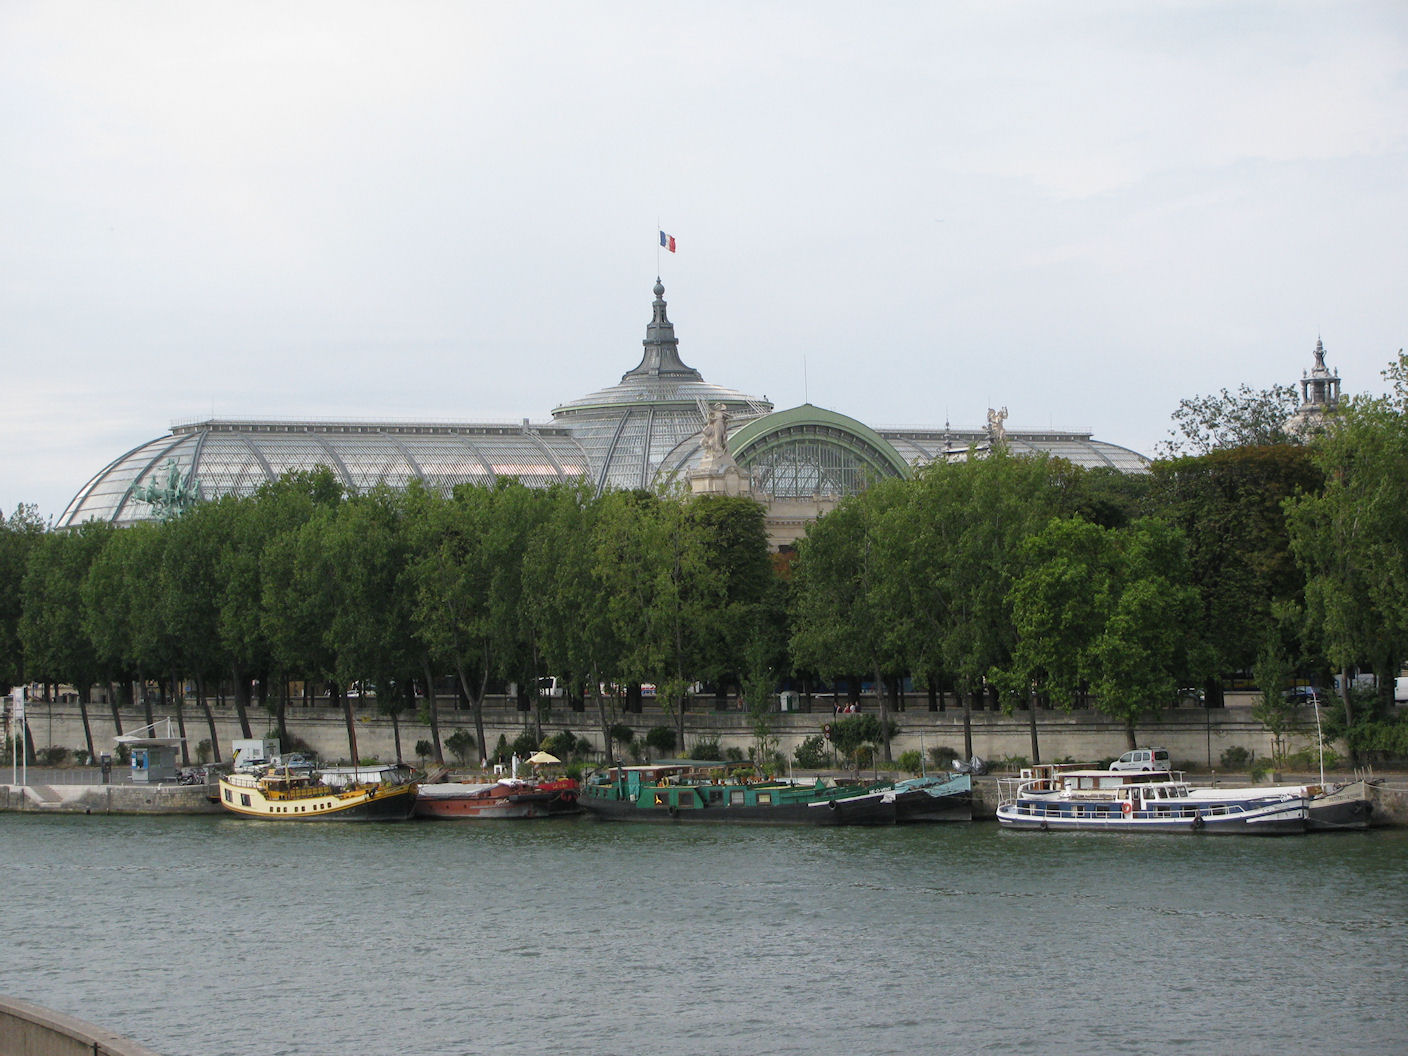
[(779, 427)]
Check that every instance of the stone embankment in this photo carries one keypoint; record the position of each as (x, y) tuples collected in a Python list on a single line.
[(30, 1030), (108, 799), (1390, 799)]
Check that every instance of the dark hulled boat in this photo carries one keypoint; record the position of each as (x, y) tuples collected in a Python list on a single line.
[(687, 793)]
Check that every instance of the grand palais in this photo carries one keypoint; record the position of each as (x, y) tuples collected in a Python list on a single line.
[(661, 425)]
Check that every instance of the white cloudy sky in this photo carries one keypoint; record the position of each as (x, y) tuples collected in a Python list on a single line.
[(907, 212)]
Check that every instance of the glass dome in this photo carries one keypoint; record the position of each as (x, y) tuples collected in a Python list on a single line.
[(643, 432)]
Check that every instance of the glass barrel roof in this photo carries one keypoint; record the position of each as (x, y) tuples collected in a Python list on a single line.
[(922, 445), (235, 457)]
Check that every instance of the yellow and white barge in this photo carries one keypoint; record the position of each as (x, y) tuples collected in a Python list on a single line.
[(294, 795)]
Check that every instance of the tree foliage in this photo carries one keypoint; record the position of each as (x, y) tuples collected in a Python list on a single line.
[(1245, 418)]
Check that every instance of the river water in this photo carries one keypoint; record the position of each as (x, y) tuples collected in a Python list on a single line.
[(208, 936)]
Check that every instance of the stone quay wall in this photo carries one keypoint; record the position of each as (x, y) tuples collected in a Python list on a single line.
[(30, 1030), (1195, 737)]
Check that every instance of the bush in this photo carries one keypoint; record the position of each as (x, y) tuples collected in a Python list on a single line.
[(660, 739), (1261, 768), (524, 745), (943, 757), (811, 754), (54, 755), (864, 755), (734, 755), (622, 734), (769, 763), (567, 745), (1309, 759), (204, 751), (707, 749), (1380, 740), (1235, 758), (501, 750), (461, 742), (911, 762), (424, 750)]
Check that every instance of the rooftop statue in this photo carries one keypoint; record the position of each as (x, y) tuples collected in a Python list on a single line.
[(715, 434), (997, 432), (173, 498)]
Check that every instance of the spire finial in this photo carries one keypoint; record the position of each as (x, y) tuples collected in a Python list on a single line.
[(662, 348)]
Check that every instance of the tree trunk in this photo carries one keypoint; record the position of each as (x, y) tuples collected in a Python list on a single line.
[(242, 697), (117, 693), (884, 701), (432, 706), (351, 721), (1348, 712), (602, 718), (146, 699), (85, 691), (476, 706), (178, 701), (1031, 712), (966, 699), (209, 719), (281, 710)]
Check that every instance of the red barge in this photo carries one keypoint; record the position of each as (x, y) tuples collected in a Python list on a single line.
[(506, 798)]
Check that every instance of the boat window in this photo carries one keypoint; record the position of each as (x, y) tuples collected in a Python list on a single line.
[(737, 797), (764, 799)]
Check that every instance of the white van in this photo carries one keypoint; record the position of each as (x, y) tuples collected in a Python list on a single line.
[(1143, 759)]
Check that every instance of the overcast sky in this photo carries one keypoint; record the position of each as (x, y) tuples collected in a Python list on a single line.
[(904, 212)]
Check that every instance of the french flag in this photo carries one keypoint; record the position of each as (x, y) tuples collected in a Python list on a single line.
[(668, 241)]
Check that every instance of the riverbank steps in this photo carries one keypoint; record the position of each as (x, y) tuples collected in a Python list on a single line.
[(28, 1029)]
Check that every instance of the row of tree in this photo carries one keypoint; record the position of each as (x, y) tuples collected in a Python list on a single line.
[(1009, 581), (395, 589)]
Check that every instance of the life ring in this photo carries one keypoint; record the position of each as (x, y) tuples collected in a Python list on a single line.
[(832, 804), (1127, 807), (1045, 827)]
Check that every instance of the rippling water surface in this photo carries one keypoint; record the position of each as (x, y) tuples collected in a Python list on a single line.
[(215, 936)]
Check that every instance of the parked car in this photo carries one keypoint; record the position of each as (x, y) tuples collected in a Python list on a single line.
[(1149, 759)]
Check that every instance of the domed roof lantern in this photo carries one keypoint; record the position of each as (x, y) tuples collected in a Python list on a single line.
[(662, 348)]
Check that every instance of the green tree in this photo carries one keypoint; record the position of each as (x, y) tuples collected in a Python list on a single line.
[(1230, 505), (19, 533), (56, 648), (1351, 537), (961, 539), (1108, 609), (650, 559), (849, 570), (1246, 418), (451, 575), (1272, 671), (563, 593)]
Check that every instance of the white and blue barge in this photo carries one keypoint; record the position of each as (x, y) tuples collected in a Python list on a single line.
[(1049, 797)]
